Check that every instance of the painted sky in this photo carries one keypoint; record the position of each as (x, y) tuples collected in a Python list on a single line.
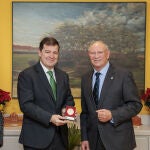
[(32, 21)]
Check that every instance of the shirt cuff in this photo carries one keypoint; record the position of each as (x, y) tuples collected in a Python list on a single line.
[(112, 121)]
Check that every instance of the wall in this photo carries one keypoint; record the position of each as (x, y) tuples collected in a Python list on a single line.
[(6, 47)]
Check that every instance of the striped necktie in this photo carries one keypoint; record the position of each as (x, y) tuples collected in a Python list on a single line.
[(52, 83), (96, 88)]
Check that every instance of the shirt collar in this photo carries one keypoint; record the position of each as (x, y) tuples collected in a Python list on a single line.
[(104, 69), (45, 69)]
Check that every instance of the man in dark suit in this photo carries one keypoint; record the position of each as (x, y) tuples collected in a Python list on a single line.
[(42, 98), (109, 99)]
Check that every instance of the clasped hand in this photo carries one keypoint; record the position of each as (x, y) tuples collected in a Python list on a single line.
[(104, 115)]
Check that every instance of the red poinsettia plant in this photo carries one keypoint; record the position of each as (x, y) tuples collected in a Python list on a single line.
[(146, 97), (4, 97)]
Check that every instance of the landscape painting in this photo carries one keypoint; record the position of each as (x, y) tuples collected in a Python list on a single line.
[(120, 25)]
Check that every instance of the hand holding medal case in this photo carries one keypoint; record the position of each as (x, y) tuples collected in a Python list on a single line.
[(70, 113)]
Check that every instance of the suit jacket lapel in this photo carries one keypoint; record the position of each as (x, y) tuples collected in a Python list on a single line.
[(44, 80), (89, 88), (58, 81), (107, 84), (60, 86)]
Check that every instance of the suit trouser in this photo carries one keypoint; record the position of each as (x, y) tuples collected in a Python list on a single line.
[(99, 143), (56, 144)]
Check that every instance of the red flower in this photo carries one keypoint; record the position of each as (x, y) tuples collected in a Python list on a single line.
[(146, 97), (4, 97)]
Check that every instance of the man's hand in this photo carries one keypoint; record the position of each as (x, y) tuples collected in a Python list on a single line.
[(63, 111), (58, 120), (104, 115), (85, 145)]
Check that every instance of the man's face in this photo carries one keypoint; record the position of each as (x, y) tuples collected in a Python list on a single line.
[(99, 55), (49, 56)]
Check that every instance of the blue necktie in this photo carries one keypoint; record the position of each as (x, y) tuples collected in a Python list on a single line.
[(96, 88)]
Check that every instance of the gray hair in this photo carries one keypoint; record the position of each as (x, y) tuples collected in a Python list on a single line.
[(101, 42)]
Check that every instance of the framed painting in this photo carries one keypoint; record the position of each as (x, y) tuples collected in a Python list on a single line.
[(75, 24)]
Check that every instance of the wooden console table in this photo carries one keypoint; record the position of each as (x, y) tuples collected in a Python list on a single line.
[(10, 139), (11, 136), (142, 134)]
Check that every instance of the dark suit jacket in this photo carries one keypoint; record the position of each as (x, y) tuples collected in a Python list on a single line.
[(119, 94), (38, 105)]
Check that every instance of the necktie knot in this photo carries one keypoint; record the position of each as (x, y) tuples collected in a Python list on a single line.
[(97, 74), (50, 73)]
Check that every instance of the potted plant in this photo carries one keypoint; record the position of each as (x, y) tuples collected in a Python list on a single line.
[(74, 136), (146, 98), (4, 98)]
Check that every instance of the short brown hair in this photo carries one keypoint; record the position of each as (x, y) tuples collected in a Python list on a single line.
[(48, 41)]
